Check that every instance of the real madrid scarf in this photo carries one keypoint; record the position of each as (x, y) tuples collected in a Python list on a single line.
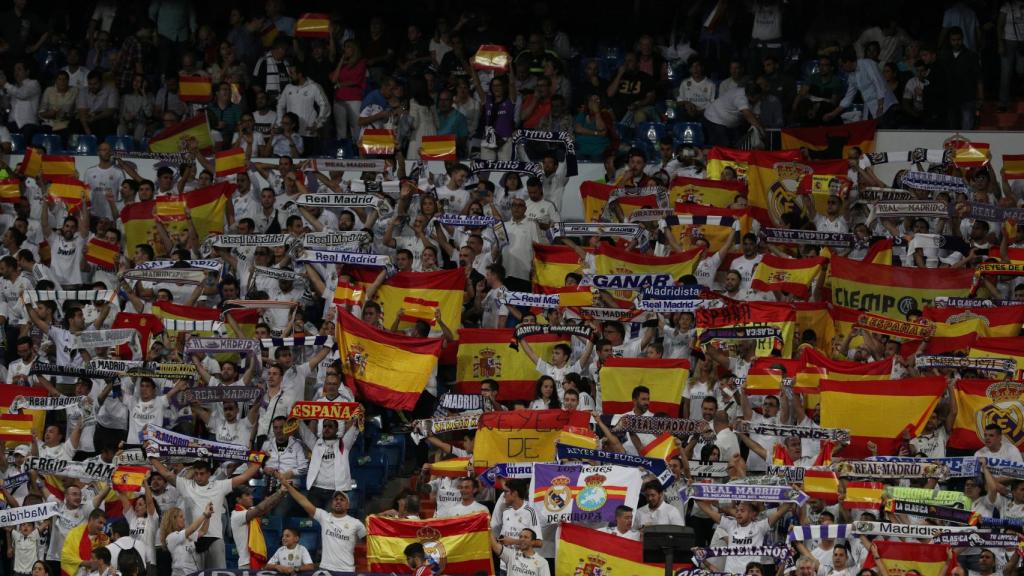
[(249, 240), (89, 339), (460, 402), (563, 229), (819, 532), (160, 442), (808, 237), (334, 240), (526, 330), (278, 273), (299, 341), (210, 345), (348, 165), (517, 166), (993, 213), (890, 470), (656, 467), (658, 424), (88, 471), (211, 264), (564, 138), (35, 296), (70, 371), (786, 431), (33, 513), (433, 426), (956, 302), (934, 182), (905, 208), (1005, 365), (180, 325), (779, 554), (915, 156), (905, 530), (876, 194), (959, 467), (351, 258), (743, 493), (978, 539), (212, 394), (112, 365), (172, 370), (174, 275), (464, 220), (333, 200), (530, 299), (740, 333), (928, 496), (44, 403), (944, 513), (883, 325)]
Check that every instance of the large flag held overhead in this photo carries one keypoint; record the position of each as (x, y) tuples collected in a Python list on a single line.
[(420, 294), (313, 25), (779, 317), (611, 260), (173, 139), (791, 275), (551, 263), (383, 367), (16, 428), (580, 493), (377, 142), (907, 557), (831, 142), (206, 206), (485, 353), (1013, 167), (460, 545), (521, 435), (67, 189), (441, 147), (101, 253), (856, 407), (716, 226), (139, 224), (717, 193), (983, 402), (228, 162), (666, 379), (739, 160), (55, 165), (893, 291), (1009, 347), (10, 190), (774, 181), (958, 328), (196, 89), (582, 550)]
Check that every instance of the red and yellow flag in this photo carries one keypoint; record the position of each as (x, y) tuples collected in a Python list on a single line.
[(32, 162), (463, 542), (893, 291), (491, 57), (863, 495), (521, 435), (832, 141), (908, 557), (441, 147), (582, 550), (172, 311), (10, 190), (972, 154), (16, 428), (1008, 347), (984, 402), (451, 468), (197, 89), (958, 328), (551, 264), (102, 254), (67, 189), (854, 406), (663, 447), (377, 142), (666, 379), (822, 484), (717, 193), (418, 291), (819, 367), (349, 295), (774, 181), (173, 139), (612, 260), (792, 275), (780, 316), (880, 252), (54, 165), (144, 324), (139, 224), (230, 162), (814, 316), (128, 478), (780, 457), (1013, 167), (485, 353), (207, 206), (694, 222), (383, 367), (76, 550), (577, 436), (766, 373), (313, 25), (595, 196), (268, 34)]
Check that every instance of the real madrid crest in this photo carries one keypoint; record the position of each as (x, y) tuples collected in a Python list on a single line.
[(430, 538), (559, 495), (1005, 410), (782, 193)]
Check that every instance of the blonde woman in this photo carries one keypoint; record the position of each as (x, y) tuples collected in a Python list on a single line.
[(180, 540)]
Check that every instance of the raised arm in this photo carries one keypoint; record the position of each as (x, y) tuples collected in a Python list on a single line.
[(304, 502)]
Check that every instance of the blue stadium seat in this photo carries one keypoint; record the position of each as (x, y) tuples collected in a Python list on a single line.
[(311, 540), (275, 523), (650, 132), (82, 144), (372, 475), (394, 447), (120, 143), (50, 143), (356, 500), (17, 144), (688, 133)]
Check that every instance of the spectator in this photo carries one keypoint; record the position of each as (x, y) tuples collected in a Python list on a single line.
[(820, 94), (132, 56), (632, 93), (57, 106), (736, 78), (349, 79), (1009, 38), (241, 38), (962, 16), (725, 117), (864, 79), (286, 140), (77, 75), (97, 108), (24, 94), (223, 115), (536, 106), (497, 119), (962, 69), (593, 130), (167, 98), (422, 118), (271, 72), (451, 121), (695, 93), (136, 110), (891, 39), (175, 25), (227, 67)]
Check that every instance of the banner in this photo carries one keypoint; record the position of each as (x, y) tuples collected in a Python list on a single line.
[(309, 410), (774, 180), (786, 431), (890, 327), (943, 513), (459, 402), (521, 435), (459, 545), (656, 467), (958, 467), (743, 493), (22, 514), (832, 141), (44, 403), (611, 260), (893, 291), (565, 139), (665, 378), (1005, 365), (890, 470), (583, 551), (160, 442), (791, 275), (87, 471), (581, 493), (353, 258), (211, 394), (808, 237), (983, 402), (486, 354), (657, 424)]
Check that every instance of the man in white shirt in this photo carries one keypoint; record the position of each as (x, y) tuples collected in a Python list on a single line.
[(726, 114), (513, 514), (67, 247), (452, 196), (339, 532), (623, 524), (641, 403), (996, 447), (121, 540), (468, 504), (518, 555), (744, 529), (656, 511), (538, 209), (863, 77), (329, 470), (554, 179), (747, 262), (103, 178), (517, 255), (696, 92), (305, 98), (245, 512)]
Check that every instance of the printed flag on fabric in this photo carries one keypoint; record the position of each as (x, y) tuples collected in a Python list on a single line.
[(863, 495), (854, 406), (780, 318), (420, 293), (313, 25), (441, 147), (595, 196), (139, 224), (67, 189), (665, 377), (576, 436), (958, 328), (8, 392), (102, 254), (766, 374), (822, 484), (774, 181), (491, 57), (173, 139), (377, 142), (790, 275), (739, 160), (349, 295), (551, 263), (893, 291), (10, 190), (611, 260), (663, 447), (197, 89), (32, 162), (972, 154), (693, 222), (908, 557), (54, 165), (16, 428), (521, 435), (880, 252), (171, 311), (459, 545), (579, 493), (717, 193), (983, 402), (1013, 167), (230, 162), (76, 550), (144, 324), (831, 142), (485, 353), (128, 478), (451, 468), (1009, 347), (582, 551), (385, 368)]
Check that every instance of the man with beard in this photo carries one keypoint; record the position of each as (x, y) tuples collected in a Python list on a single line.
[(67, 247), (305, 98)]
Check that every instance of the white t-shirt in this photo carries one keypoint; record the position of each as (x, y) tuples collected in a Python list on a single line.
[(822, 223), (338, 536), (752, 534), (519, 565), (65, 521), (460, 509), (26, 550), (293, 557), (100, 180), (700, 93), (1006, 451), (696, 392), (198, 497), (629, 534), (446, 494), (141, 413), (727, 109), (746, 266), (66, 258), (240, 534), (184, 559), (664, 514)]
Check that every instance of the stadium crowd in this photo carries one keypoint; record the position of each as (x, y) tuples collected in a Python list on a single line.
[(154, 446)]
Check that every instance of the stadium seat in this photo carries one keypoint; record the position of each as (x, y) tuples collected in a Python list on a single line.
[(372, 474), (356, 502), (310, 539), (394, 447), (82, 144), (688, 133), (50, 143), (650, 132), (120, 143), (272, 523), (17, 144)]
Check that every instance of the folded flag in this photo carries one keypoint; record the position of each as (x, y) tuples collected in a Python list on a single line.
[(129, 478), (791, 275), (440, 147), (377, 142), (196, 89), (461, 545), (582, 550), (67, 189), (16, 428), (863, 495), (58, 166), (10, 190), (491, 57), (230, 162), (102, 254), (1013, 167), (173, 139), (257, 542), (313, 25), (666, 378)]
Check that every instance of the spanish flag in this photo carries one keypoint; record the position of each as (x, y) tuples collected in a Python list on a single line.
[(774, 180), (463, 542), (102, 254), (268, 34), (577, 436), (207, 206), (612, 260), (67, 189), (144, 324), (583, 550), (196, 89), (832, 141), (16, 428), (822, 484), (256, 544), (230, 162), (1009, 347), (693, 222), (491, 57), (385, 368), (905, 557), (573, 296), (377, 142), (978, 404), (485, 353), (313, 25), (172, 139), (819, 366), (753, 314), (172, 311), (893, 291), (58, 166), (419, 293), (717, 193), (551, 264), (663, 447), (780, 457), (880, 252), (441, 147), (971, 154), (720, 158), (595, 196), (766, 373), (521, 436), (1013, 167), (451, 468), (792, 275), (855, 406), (170, 208), (958, 328), (349, 295), (10, 190), (815, 316), (666, 378), (31, 163), (863, 495), (129, 478), (77, 549), (139, 224)]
